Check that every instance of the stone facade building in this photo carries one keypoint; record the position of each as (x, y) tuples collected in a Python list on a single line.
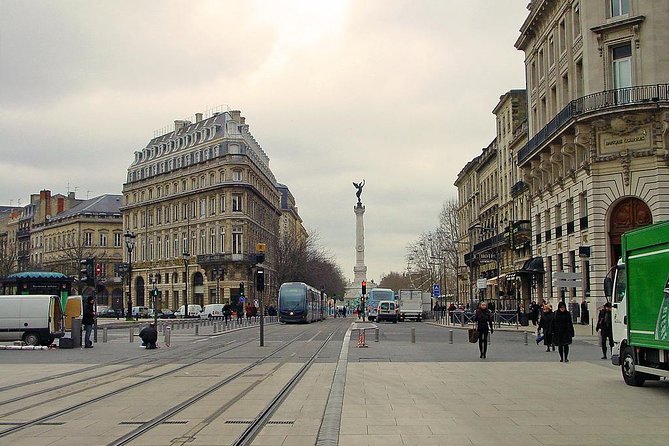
[(597, 160), (198, 199)]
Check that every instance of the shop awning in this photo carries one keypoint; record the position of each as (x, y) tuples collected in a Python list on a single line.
[(493, 280), (534, 265)]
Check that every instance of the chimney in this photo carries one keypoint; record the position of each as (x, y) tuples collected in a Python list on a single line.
[(242, 120), (235, 115), (198, 117), (70, 195), (60, 205), (179, 124)]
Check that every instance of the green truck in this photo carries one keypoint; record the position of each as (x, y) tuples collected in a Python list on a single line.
[(639, 288)]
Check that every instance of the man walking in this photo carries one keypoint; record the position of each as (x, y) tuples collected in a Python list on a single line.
[(605, 327), (87, 320)]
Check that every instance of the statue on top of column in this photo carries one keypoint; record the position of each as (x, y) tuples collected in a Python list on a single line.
[(359, 186)]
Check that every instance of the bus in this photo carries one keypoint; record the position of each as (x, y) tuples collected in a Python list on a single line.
[(299, 302), (38, 282), (375, 296)]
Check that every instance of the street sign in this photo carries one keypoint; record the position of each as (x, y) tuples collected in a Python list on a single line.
[(436, 290), (481, 284), (241, 300), (566, 279)]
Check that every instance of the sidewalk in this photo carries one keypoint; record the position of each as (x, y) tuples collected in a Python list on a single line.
[(580, 331)]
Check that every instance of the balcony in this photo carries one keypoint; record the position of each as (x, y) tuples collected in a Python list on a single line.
[(602, 101), (492, 242), (518, 188)]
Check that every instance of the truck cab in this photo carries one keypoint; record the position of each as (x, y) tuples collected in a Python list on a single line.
[(639, 289)]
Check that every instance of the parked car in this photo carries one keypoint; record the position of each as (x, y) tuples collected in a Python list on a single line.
[(193, 311), (212, 311), (166, 314), (109, 312)]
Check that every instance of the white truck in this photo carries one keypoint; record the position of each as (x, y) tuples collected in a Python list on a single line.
[(411, 304)]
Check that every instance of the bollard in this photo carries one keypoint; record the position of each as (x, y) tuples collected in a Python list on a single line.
[(132, 334), (215, 328), (168, 333), (104, 334), (450, 336), (525, 338), (413, 335), (160, 327), (197, 330), (462, 319), (376, 334)]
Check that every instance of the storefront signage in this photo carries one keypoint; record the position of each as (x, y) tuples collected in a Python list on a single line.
[(609, 143)]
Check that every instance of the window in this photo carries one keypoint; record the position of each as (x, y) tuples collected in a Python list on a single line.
[(176, 245), (622, 66), (551, 52), (212, 205), (237, 240), (159, 245), (620, 7), (212, 240), (185, 241), (159, 216), (167, 251), (117, 239), (583, 210), (236, 175), (202, 242), (88, 239), (236, 203), (203, 207), (222, 203), (577, 20), (222, 240), (562, 35)]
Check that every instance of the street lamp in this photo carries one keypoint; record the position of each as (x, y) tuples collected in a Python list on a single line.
[(186, 256), (130, 245)]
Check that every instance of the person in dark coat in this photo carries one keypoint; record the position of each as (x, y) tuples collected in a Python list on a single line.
[(545, 326), (87, 320), (534, 312), (483, 320), (585, 313), (605, 327), (149, 336), (563, 331)]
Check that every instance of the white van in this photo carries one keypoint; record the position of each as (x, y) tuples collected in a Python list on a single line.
[(193, 311), (212, 311), (33, 319), (140, 311)]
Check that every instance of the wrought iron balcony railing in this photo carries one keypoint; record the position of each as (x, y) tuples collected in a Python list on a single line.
[(644, 94)]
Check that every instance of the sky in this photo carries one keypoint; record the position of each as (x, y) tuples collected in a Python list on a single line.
[(398, 93)]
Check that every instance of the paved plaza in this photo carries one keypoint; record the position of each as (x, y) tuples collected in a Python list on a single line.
[(395, 392)]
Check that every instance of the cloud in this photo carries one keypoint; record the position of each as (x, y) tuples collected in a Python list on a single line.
[(399, 93)]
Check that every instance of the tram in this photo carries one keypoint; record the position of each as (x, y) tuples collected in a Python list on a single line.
[(299, 302), (38, 282)]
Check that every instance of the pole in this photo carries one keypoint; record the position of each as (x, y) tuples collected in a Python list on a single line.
[(262, 320), (186, 262), (128, 315)]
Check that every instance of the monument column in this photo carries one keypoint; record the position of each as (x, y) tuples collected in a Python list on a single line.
[(359, 270)]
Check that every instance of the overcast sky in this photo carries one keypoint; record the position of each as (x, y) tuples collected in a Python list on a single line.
[(399, 93)]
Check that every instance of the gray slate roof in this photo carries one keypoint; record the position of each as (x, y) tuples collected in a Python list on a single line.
[(107, 204)]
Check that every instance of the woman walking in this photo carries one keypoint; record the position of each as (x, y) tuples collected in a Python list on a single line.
[(483, 320), (563, 331), (545, 325)]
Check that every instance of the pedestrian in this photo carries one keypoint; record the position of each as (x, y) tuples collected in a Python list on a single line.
[(534, 311), (605, 328), (483, 321), (227, 312), (149, 336), (451, 310), (87, 320), (545, 326), (563, 331), (575, 311), (585, 313)]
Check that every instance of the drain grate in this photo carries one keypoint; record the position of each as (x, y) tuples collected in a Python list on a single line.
[(176, 422), (43, 423), (164, 422), (132, 422), (269, 422)]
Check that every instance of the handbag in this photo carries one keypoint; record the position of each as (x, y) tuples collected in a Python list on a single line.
[(473, 335), (540, 338)]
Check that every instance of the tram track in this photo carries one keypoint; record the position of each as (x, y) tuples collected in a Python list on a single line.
[(255, 426), (36, 421), (161, 356)]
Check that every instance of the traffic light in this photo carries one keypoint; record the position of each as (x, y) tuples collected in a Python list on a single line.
[(86, 272), (154, 293), (241, 289), (98, 270), (364, 287), (260, 279)]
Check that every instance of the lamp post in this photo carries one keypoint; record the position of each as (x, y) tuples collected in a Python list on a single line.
[(154, 298), (186, 256), (129, 245)]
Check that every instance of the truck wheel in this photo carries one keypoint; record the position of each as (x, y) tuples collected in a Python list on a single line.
[(630, 375), (31, 338)]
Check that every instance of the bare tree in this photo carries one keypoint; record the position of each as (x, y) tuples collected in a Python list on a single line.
[(395, 281), (7, 258)]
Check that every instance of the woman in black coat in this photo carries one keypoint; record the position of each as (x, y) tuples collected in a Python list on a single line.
[(483, 320), (563, 331), (545, 324)]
